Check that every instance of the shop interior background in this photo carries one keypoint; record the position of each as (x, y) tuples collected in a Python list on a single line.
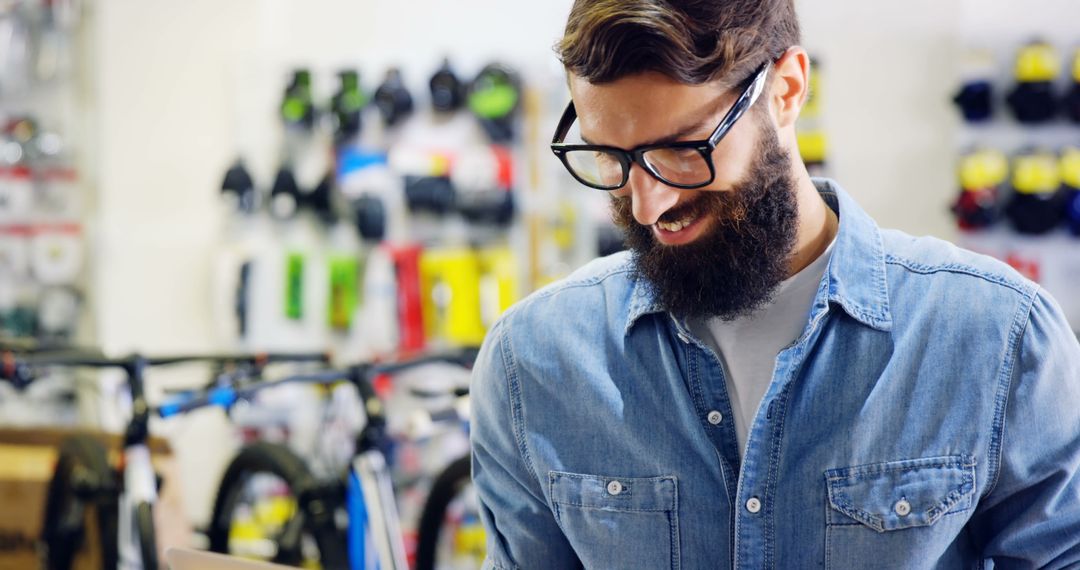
[(173, 92)]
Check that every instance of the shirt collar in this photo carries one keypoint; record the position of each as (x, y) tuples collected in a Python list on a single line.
[(856, 272)]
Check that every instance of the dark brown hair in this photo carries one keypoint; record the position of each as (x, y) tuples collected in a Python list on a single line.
[(691, 41)]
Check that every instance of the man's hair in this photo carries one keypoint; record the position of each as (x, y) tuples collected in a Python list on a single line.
[(690, 41)]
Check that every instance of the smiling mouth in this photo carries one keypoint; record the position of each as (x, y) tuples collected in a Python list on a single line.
[(677, 225)]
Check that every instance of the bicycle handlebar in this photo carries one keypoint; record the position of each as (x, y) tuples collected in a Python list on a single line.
[(359, 375), (20, 370)]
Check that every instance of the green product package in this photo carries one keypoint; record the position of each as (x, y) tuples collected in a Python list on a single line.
[(345, 294), (294, 286)]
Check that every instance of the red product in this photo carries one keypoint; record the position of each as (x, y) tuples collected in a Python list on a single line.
[(410, 314)]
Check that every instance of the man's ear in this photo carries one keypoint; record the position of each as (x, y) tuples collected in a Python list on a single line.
[(790, 86)]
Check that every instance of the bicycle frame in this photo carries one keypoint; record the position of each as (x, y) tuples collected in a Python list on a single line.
[(374, 537), (137, 470)]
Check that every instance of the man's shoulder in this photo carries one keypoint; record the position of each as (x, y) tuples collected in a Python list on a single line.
[(938, 259), (580, 295)]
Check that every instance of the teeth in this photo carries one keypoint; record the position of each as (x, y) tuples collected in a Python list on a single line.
[(674, 226)]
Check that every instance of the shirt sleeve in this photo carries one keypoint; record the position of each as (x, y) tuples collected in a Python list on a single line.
[(1031, 519), (521, 529)]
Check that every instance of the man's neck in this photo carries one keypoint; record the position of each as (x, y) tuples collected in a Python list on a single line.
[(818, 224)]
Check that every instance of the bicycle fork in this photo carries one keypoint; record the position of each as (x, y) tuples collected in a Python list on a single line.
[(140, 486), (372, 508)]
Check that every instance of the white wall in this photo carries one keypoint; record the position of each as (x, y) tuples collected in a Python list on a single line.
[(184, 86)]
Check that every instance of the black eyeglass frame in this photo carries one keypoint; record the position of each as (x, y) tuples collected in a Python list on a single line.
[(706, 147)]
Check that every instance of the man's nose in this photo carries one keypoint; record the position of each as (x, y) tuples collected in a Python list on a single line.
[(649, 197)]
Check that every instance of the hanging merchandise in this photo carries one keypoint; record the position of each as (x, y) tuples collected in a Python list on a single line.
[(428, 188), (373, 193), (495, 98), (238, 190), (447, 91), (976, 96), (1070, 181), (483, 178), (451, 296), (347, 108), (810, 136), (982, 175), (377, 321), (320, 200), (56, 254), (370, 214), (392, 99), (298, 107), (406, 259), (1032, 100), (236, 259), (16, 194), (813, 148), (1036, 207), (345, 266), (58, 313), (500, 285), (284, 195), (1072, 97)]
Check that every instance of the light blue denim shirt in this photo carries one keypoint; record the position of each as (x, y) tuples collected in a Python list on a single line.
[(928, 417)]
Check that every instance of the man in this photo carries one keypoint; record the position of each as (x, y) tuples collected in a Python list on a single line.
[(767, 379)]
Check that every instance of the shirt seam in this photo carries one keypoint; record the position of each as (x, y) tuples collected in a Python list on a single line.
[(957, 268), (516, 404), (1021, 320), (582, 282)]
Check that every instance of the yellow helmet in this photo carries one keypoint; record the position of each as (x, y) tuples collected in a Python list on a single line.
[(1070, 167), (1036, 173), (984, 168), (1037, 62)]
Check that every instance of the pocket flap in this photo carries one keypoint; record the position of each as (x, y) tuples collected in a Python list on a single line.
[(613, 493), (901, 494)]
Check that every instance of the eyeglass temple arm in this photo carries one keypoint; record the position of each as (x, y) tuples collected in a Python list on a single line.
[(742, 104), (567, 119)]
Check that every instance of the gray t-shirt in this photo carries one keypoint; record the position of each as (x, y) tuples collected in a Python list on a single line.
[(748, 346)]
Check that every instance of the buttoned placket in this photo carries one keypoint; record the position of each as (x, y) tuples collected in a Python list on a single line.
[(757, 484)]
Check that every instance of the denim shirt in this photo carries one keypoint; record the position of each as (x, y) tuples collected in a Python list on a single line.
[(927, 417)]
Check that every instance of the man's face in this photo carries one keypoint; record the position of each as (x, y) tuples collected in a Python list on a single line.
[(720, 251)]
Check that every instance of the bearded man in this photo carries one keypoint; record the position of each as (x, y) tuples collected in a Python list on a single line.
[(766, 378)]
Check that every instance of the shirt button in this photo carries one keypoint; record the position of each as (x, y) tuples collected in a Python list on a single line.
[(902, 507), (753, 505), (614, 488), (715, 417)]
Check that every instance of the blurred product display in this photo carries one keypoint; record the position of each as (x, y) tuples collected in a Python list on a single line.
[(1032, 99), (811, 132), (1018, 168), (42, 249)]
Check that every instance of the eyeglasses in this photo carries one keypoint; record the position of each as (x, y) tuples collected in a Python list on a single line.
[(685, 165)]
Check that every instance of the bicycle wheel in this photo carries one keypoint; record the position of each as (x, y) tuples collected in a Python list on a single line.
[(305, 533), (83, 486), (450, 516), (144, 525)]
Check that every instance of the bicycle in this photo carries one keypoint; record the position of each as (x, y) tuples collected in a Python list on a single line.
[(450, 516), (372, 534), (122, 499)]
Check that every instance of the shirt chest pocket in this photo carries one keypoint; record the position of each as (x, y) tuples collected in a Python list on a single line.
[(618, 522), (890, 510)]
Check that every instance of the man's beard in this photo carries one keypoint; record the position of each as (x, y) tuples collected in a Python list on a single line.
[(736, 266)]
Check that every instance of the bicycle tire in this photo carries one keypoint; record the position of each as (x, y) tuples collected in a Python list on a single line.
[(82, 480), (447, 486), (316, 513), (144, 525)]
